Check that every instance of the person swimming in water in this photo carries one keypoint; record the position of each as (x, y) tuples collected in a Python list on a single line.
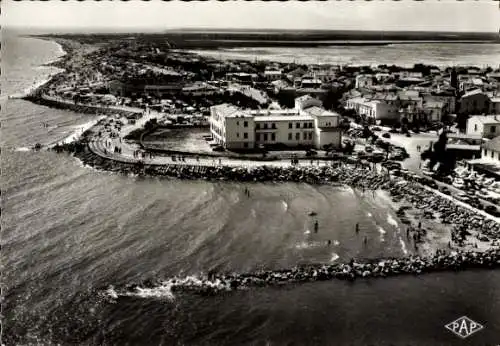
[(316, 226), (365, 240), (357, 228)]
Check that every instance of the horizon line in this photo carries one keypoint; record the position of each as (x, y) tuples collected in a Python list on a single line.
[(204, 28)]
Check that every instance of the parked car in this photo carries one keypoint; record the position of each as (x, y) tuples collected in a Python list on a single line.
[(462, 197), (492, 210), (444, 190), (218, 148), (428, 182)]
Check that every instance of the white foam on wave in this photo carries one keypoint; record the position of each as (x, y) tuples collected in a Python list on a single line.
[(111, 293), (334, 257), (369, 214), (80, 129), (164, 288), (22, 149), (336, 242), (392, 221), (403, 246), (382, 233), (285, 205), (307, 231), (162, 291), (309, 245)]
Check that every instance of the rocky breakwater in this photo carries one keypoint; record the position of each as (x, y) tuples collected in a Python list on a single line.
[(414, 265), (345, 174)]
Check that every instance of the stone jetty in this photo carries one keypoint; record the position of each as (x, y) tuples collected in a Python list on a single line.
[(412, 265)]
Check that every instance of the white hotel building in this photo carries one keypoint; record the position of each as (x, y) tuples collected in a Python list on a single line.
[(308, 125)]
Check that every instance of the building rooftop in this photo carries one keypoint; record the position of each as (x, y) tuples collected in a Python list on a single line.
[(229, 111), (283, 118), (486, 119), (493, 144), (280, 112), (463, 147), (304, 98), (272, 72), (320, 112), (472, 93)]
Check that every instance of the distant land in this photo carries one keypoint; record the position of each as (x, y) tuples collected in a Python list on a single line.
[(238, 38)]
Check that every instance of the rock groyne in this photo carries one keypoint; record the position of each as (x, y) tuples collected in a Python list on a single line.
[(214, 283)]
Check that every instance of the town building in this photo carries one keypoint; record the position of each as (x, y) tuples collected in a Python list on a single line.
[(435, 110), (363, 81), (487, 126), (306, 126), (474, 102), (491, 151), (272, 75), (495, 105), (489, 163)]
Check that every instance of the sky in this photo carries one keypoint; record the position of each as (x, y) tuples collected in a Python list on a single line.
[(428, 15)]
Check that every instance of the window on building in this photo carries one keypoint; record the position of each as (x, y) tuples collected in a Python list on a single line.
[(237, 123), (273, 136), (310, 136), (475, 127), (304, 135), (297, 136), (297, 125), (257, 126), (311, 125), (245, 135), (273, 125), (245, 124), (485, 152), (290, 125), (257, 137), (265, 126), (237, 134), (265, 136), (289, 136), (493, 129), (245, 145)]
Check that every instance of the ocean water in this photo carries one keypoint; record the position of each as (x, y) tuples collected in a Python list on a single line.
[(402, 54), (69, 232)]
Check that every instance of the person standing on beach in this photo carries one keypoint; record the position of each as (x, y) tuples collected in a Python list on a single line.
[(357, 228)]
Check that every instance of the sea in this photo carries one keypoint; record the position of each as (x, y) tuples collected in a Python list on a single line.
[(69, 234), (442, 54)]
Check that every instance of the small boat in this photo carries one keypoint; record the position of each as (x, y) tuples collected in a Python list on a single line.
[(313, 213), (37, 147)]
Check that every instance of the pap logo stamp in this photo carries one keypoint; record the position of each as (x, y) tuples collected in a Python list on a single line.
[(464, 327)]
